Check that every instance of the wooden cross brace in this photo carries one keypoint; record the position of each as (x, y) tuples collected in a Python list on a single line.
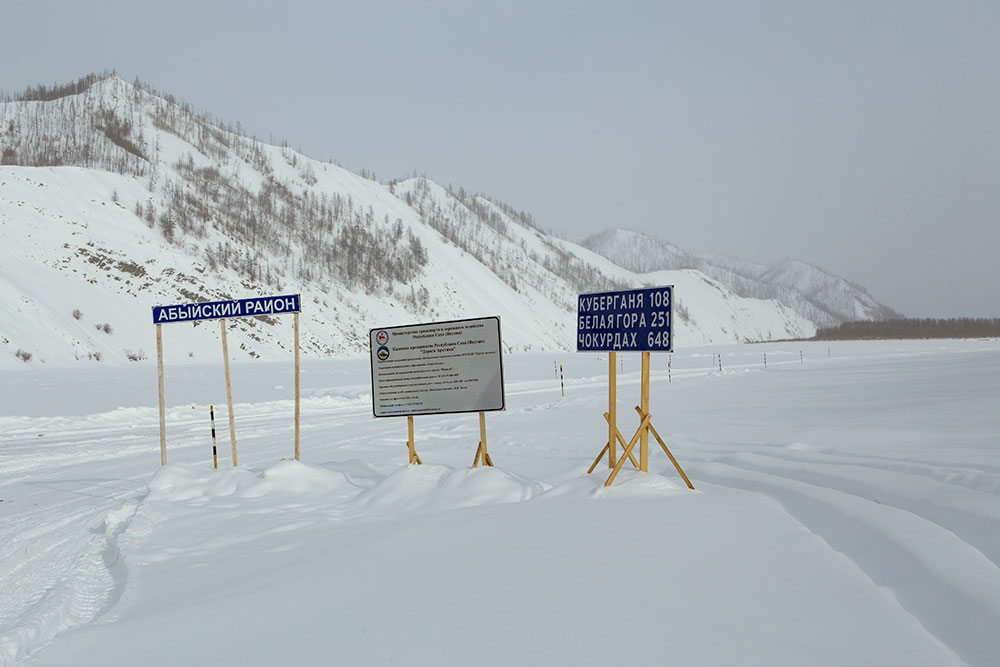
[(482, 455), (647, 425), (607, 448)]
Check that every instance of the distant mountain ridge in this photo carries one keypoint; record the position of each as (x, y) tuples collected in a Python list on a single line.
[(114, 198), (817, 295)]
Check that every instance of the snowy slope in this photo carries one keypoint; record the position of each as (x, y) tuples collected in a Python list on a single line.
[(815, 294), (165, 208)]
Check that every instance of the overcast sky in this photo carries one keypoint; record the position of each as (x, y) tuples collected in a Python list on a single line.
[(863, 137)]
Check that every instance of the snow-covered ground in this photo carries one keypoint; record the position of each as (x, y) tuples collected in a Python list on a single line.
[(846, 513)]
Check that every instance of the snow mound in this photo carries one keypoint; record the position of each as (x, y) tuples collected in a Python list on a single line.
[(439, 487)]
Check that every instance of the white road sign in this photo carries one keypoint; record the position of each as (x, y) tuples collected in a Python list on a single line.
[(437, 368)]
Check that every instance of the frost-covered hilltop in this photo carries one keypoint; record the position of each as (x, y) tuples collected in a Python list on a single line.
[(114, 199), (817, 295)]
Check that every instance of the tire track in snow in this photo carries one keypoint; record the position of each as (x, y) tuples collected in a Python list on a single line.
[(976, 477), (68, 581), (950, 587), (972, 515)]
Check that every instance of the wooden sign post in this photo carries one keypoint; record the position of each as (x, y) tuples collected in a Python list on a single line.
[(611, 416), (638, 321), (159, 382), (481, 453), (414, 458), (220, 310), (229, 393), (297, 402)]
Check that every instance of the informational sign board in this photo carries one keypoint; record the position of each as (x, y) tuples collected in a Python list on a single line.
[(437, 368), (629, 321), (214, 310)]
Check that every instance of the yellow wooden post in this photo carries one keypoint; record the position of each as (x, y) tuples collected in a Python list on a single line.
[(482, 435), (612, 411), (621, 440), (644, 436), (665, 449), (643, 425), (414, 457), (297, 405), (229, 392), (159, 381)]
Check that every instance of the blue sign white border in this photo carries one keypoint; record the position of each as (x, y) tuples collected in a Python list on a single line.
[(669, 329), (216, 310)]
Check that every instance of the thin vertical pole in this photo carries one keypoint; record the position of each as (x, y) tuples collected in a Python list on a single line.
[(297, 405), (229, 392), (482, 436), (644, 436), (562, 387), (215, 452), (612, 410), (159, 381), (409, 443)]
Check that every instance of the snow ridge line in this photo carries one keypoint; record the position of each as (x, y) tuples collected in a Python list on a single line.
[(92, 581), (950, 587)]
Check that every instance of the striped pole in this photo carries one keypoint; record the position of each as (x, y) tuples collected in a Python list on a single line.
[(215, 453), (562, 387)]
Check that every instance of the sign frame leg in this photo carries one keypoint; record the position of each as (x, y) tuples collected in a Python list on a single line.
[(159, 382), (229, 392)]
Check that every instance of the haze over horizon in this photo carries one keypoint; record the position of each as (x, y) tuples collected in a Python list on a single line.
[(859, 136)]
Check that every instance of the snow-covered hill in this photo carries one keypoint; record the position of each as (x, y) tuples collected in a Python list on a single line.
[(115, 199), (817, 295)]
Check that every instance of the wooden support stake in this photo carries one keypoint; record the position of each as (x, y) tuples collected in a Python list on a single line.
[(297, 404), (618, 435), (229, 392), (665, 449), (644, 437), (159, 381), (597, 460), (628, 448), (612, 415), (481, 453), (409, 443)]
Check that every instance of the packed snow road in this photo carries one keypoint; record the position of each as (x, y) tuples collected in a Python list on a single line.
[(846, 512)]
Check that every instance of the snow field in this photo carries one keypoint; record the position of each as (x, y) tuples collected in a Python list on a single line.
[(846, 513)]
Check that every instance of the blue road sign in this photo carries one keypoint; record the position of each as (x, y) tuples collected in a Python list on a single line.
[(629, 321), (214, 310)]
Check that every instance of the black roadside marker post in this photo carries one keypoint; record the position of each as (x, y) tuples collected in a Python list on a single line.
[(215, 455)]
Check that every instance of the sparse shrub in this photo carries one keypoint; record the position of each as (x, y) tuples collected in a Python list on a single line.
[(23, 356), (77, 313), (106, 328), (135, 356)]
